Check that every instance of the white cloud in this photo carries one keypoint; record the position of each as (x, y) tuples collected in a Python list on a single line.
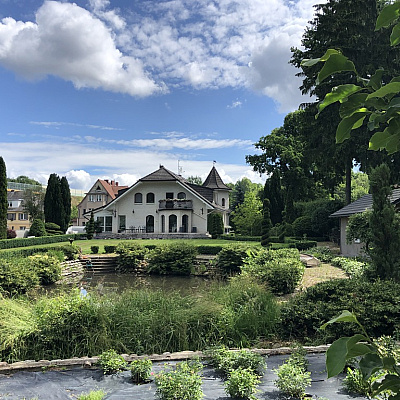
[(69, 42), (79, 179)]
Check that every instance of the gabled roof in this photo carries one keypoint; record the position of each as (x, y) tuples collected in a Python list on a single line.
[(214, 181), (363, 204), (162, 174), (111, 188)]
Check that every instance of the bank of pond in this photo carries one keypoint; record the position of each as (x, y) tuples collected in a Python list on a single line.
[(248, 305)]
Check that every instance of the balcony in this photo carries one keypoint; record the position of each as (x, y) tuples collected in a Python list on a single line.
[(175, 204)]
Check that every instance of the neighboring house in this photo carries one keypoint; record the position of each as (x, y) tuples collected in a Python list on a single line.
[(364, 203), (164, 203), (17, 218), (101, 193)]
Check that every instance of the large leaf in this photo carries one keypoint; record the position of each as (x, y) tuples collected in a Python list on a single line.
[(391, 382), (369, 364), (387, 15), (376, 80), (338, 93), (395, 36), (379, 140), (345, 316), (347, 124), (353, 103), (390, 88), (309, 62), (335, 63)]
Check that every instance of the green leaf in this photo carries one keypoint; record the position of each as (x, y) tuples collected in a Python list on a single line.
[(376, 80), (347, 124), (369, 364), (395, 36), (353, 103), (309, 62), (379, 140), (387, 15), (359, 349), (335, 63), (390, 382), (338, 93), (345, 316), (390, 88)]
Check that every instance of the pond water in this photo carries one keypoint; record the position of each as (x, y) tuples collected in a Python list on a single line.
[(116, 283)]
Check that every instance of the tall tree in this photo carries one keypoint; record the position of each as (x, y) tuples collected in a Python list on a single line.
[(348, 26), (53, 203), (266, 224), (33, 203), (25, 179), (3, 199), (66, 201), (273, 192), (90, 227)]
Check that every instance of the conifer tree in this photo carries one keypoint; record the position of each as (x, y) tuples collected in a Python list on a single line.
[(90, 227), (66, 200), (3, 200), (266, 224), (273, 191), (53, 204)]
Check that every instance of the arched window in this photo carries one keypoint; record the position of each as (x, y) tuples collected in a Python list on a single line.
[(138, 198), (172, 224), (162, 223), (185, 223), (149, 224), (150, 198), (223, 202), (182, 195)]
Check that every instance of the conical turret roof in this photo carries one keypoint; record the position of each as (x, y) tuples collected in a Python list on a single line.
[(214, 181)]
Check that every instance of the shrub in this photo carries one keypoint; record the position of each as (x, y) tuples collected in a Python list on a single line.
[(71, 251), (53, 229), (230, 259), (377, 305), (11, 234), (242, 383), (131, 256), (93, 395), (183, 382), (281, 269), (24, 242), (302, 226), (172, 259), (94, 249), (37, 228), (47, 267), (292, 379), (141, 370), (109, 248), (111, 362), (353, 268), (305, 244), (323, 253)]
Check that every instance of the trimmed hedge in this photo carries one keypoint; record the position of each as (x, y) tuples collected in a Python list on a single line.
[(25, 242), (241, 238)]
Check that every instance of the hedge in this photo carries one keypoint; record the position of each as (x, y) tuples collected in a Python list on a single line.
[(25, 242), (241, 238)]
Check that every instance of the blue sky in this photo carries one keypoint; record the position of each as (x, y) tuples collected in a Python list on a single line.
[(111, 89)]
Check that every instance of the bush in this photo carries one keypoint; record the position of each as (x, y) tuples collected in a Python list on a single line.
[(131, 256), (141, 370), (377, 305), (47, 267), (230, 259), (353, 268), (305, 244), (302, 226), (92, 395), (109, 249), (24, 242), (242, 383), (172, 259), (281, 270), (210, 250), (111, 362), (94, 249), (53, 229), (37, 228), (183, 382), (71, 251), (292, 379), (323, 253), (11, 234)]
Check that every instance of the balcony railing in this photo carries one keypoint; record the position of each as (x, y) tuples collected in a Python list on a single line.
[(175, 204)]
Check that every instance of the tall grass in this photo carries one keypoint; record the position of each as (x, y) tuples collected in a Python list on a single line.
[(140, 321)]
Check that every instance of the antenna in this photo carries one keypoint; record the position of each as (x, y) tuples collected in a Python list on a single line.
[(180, 169)]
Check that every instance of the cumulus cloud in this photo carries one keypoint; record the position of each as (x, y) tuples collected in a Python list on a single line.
[(79, 179), (70, 42)]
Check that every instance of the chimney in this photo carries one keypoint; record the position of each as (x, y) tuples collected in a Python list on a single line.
[(106, 180), (116, 183), (112, 183)]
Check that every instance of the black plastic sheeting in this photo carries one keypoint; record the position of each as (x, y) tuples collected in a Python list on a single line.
[(70, 383)]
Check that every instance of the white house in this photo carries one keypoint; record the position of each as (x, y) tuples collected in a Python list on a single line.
[(164, 203)]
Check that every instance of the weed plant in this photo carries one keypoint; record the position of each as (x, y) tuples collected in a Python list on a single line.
[(93, 395), (141, 370), (242, 384), (111, 362)]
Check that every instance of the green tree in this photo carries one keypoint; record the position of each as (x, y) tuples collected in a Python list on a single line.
[(247, 216), (53, 202), (33, 203), (215, 224), (3, 199), (90, 227), (195, 180), (266, 224), (37, 228), (273, 192), (359, 187), (385, 227), (24, 179), (66, 202)]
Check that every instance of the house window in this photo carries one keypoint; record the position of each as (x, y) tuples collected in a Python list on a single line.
[(223, 202), (169, 195), (12, 216), (172, 223), (181, 195), (122, 222), (138, 198), (99, 197), (23, 217), (162, 223), (100, 221), (149, 224), (22, 228), (185, 223), (150, 198), (91, 197), (10, 204), (108, 224)]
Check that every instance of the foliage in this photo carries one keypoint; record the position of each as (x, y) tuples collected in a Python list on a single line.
[(302, 226), (37, 228), (215, 224), (25, 242), (281, 270), (180, 383), (94, 249), (33, 203), (266, 223), (239, 190), (111, 362), (376, 303), (371, 359), (355, 269), (3, 199), (66, 203), (47, 267), (92, 395), (196, 180), (141, 370), (109, 249), (358, 228), (172, 259), (89, 228), (11, 234), (273, 192), (71, 251), (247, 216), (24, 179), (230, 259), (53, 201), (53, 229), (359, 187), (323, 253), (242, 383)]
